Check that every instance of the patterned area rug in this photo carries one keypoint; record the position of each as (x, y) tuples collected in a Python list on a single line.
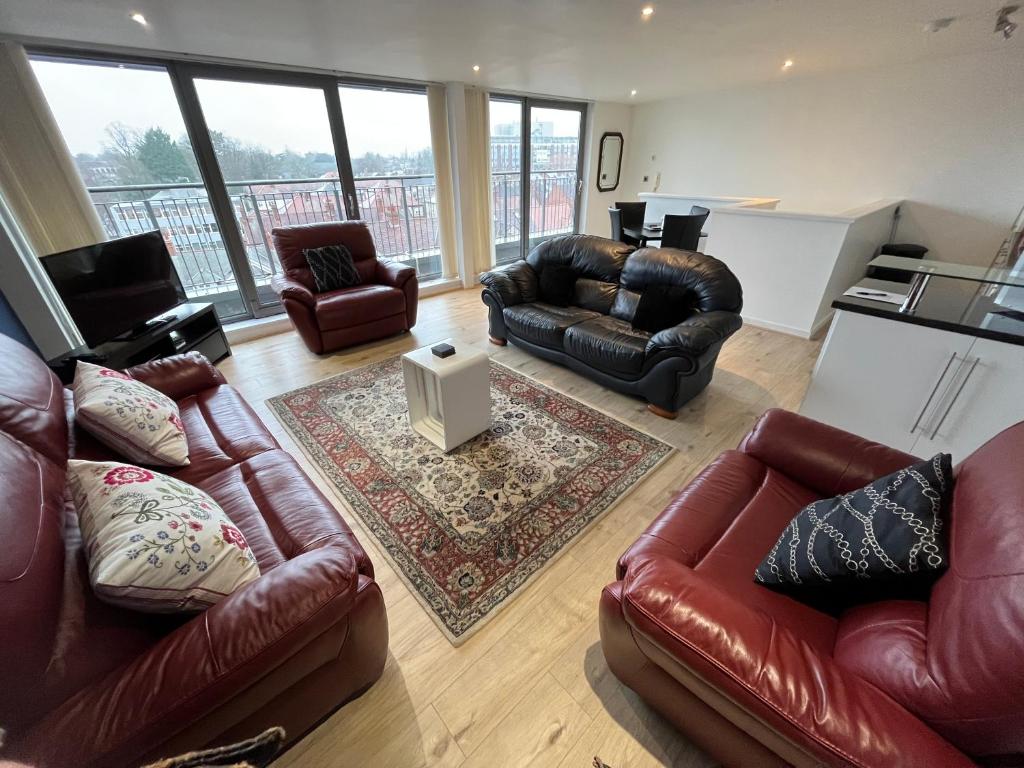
[(467, 529)]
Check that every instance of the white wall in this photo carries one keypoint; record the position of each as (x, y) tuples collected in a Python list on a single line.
[(604, 116), (943, 134)]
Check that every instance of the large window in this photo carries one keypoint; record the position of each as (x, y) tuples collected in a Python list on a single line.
[(125, 130), (388, 134), (535, 175), (275, 151), (270, 149)]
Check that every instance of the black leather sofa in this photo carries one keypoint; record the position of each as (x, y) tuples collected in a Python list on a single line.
[(594, 334)]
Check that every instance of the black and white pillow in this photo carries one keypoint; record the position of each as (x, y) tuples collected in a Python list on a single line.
[(332, 267), (888, 530)]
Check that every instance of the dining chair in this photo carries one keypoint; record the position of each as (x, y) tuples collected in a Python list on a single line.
[(615, 215), (632, 214), (683, 230)]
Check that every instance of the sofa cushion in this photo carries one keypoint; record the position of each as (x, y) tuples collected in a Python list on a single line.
[(608, 344), (154, 543), (332, 267), (662, 306), (824, 553), (711, 280), (556, 284), (544, 324), (133, 419), (358, 305)]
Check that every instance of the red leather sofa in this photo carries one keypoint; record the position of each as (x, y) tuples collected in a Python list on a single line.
[(83, 683), (758, 679), (384, 304)]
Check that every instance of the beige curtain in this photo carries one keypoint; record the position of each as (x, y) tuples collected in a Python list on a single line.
[(437, 105), (38, 177), (479, 239)]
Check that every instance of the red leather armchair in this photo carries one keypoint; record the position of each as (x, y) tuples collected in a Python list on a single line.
[(383, 305), (87, 684), (756, 678)]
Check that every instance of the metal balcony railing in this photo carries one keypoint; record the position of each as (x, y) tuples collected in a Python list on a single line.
[(401, 212)]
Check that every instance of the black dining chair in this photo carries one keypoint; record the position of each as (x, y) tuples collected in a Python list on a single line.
[(616, 216), (632, 214), (683, 230)]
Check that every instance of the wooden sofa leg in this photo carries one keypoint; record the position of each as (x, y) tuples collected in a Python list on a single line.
[(661, 411), (499, 342)]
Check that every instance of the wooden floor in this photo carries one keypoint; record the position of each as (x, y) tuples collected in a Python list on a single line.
[(531, 688)]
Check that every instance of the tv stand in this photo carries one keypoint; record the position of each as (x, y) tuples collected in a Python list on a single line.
[(190, 327), (143, 328)]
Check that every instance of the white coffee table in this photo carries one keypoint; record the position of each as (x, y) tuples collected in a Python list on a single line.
[(449, 397)]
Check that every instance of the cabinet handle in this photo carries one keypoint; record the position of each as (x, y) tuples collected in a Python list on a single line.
[(935, 389), (955, 396)]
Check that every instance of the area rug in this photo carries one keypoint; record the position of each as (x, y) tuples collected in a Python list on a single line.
[(467, 529)]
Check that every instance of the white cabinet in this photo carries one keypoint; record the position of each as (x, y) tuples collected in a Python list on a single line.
[(985, 397), (917, 389)]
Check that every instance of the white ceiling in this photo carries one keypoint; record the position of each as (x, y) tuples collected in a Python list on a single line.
[(588, 49)]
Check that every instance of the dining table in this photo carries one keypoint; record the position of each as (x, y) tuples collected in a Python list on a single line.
[(646, 233)]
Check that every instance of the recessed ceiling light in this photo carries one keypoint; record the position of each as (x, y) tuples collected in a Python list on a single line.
[(476, 67), (138, 18), (787, 64), (647, 11), (633, 92)]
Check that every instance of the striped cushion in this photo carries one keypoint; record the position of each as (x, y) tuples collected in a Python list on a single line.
[(332, 267)]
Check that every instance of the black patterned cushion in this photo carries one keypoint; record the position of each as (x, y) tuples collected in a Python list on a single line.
[(332, 267), (888, 530)]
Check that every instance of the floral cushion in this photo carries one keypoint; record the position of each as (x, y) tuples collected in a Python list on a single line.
[(135, 420), (154, 543)]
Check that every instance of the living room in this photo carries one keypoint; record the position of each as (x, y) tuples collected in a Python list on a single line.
[(578, 384)]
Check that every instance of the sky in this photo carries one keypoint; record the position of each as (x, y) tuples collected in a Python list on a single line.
[(86, 98)]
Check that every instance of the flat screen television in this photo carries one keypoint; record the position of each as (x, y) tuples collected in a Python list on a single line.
[(116, 288)]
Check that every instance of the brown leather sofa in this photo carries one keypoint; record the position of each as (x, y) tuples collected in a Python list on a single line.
[(758, 679), (383, 305), (83, 683)]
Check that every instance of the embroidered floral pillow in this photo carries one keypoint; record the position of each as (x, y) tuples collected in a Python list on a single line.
[(135, 420), (154, 543)]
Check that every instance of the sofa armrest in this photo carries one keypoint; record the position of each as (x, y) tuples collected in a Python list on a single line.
[(767, 670), (394, 274), (512, 284), (286, 288), (818, 456), (696, 334), (178, 376), (204, 664)]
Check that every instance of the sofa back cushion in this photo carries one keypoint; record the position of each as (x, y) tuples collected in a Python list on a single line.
[(596, 261), (715, 286), (291, 242), (33, 455)]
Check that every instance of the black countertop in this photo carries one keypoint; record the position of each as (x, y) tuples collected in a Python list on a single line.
[(949, 304)]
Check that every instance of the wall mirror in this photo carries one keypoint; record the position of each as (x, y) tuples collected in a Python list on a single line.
[(609, 162)]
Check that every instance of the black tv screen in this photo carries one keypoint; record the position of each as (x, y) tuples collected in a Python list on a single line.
[(115, 287)]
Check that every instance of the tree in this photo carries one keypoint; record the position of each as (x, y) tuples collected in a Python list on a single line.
[(162, 158)]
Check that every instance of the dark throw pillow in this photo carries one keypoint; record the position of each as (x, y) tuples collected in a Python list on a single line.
[(332, 267), (557, 282), (663, 306), (882, 540)]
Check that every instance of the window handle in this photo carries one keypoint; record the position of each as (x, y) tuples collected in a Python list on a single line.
[(928, 402), (955, 396)]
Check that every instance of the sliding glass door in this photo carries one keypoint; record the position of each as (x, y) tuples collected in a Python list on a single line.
[(535, 174), (125, 129), (275, 151), (388, 134)]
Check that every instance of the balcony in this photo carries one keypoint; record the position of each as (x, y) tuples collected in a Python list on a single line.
[(401, 212)]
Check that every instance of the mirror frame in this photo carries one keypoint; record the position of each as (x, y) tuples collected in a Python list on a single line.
[(600, 160)]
